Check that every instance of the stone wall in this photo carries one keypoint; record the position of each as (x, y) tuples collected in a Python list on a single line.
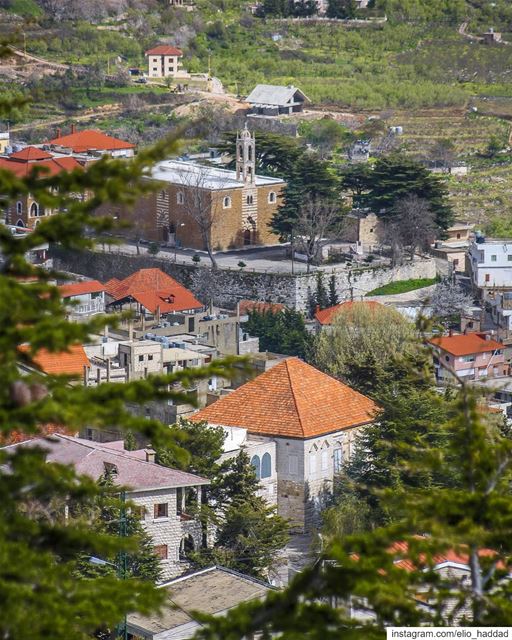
[(226, 287)]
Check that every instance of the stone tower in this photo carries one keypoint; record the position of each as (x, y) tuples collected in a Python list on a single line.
[(245, 156)]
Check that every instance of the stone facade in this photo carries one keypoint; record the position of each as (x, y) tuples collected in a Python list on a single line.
[(366, 229), (26, 212)]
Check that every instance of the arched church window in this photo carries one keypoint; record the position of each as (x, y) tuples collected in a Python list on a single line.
[(266, 466), (255, 461), (226, 203)]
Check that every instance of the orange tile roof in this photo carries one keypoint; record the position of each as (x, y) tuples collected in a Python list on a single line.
[(164, 50), (70, 363), (91, 140), (466, 344), (81, 288), (53, 166), (43, 430), (245, 306), (293, 400), (326, 316), (153, 288), (30, 154)]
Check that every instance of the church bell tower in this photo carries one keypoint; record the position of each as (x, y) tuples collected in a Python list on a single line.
[(245, 156)]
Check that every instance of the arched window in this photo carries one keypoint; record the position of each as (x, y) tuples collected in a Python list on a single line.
[(180, 198), (20, 223), (255, 461), (240, 152), (226, 203), (249, 153), (19, 207), (34, 209), (250, 199), (266, 466), (163, 195), (272, 197)]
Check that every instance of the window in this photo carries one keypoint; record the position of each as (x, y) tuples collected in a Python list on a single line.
[(272, 197), (226, 203), (266, 466), (509, 258), (487, 277), (19, 208), (255, 461), (455, 262), (163, 195), (180, 198), (179, 501), (312, 463), (293, 465), (458, 236), (250, 200), (162, 551), (447, 358), (468, 358), (161, 510), (20, 223), (325, 460), (34, 209), (150, 357), (141, 358), (337, 457), (494, 258)]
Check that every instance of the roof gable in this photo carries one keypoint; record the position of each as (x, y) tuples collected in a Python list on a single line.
[(29, 154), (292, 399), (91, 140), (164, 50), (273, 94), (80, 288)]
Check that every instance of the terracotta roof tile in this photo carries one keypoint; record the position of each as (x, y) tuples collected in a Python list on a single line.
[(29, 154), (326, 316), (245, 306), (68, 363), (91, 140), (466, 344), (153, 288), (80, 288), (54, 166), (164, 50), (292, 399)]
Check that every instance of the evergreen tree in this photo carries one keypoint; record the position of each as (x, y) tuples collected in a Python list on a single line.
[(344, 9), (282, 332), (130, 443), (333, 294), (321, 297)]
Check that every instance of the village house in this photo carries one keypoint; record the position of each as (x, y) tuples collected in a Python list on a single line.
[(83, 299), (470, 356), (213, 591), (90, 142), (232, 208), (72, 362), (363, 228), (453, 248), (273, 100), (298, 425), (26, 212), (160, 494), (164, 61), (490, 264)]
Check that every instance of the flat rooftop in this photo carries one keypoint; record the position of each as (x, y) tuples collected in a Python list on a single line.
[(190, 174)]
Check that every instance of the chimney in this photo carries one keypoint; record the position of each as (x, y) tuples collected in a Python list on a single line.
[(59, 132), (150, 455), (73, 128)]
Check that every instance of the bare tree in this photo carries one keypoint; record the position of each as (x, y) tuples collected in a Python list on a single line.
[(414, 225), (449, 299), (202, 203), (318, 221)]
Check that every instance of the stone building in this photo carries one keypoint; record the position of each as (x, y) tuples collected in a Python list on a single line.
[(273, 100), (299, 426), (26, 212), (160, 494), (233, 208), (364, 228), (164, 61)]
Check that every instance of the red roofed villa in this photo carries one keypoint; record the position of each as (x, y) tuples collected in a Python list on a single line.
[(163, 61), (298, 425), (152, 291), (86, 298), (471, 356), (94, 142), (26, 212)]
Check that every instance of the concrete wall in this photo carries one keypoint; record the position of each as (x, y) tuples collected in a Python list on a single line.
[(227, 287)]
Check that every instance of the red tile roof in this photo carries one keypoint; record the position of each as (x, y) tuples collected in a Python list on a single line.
[(81, 288), (153, 288), (90, 140), (70, 363), (326, 316), (29, 154), (164, 50), (53, 166), (245, 306), (466, 345), (294, 400)]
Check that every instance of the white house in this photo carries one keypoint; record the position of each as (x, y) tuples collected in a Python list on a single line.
[(161, 494), (490, 263), (84, 299), (163, 61), (299, 426)]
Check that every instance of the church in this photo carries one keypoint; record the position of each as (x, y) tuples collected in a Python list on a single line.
[(198, 203)]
